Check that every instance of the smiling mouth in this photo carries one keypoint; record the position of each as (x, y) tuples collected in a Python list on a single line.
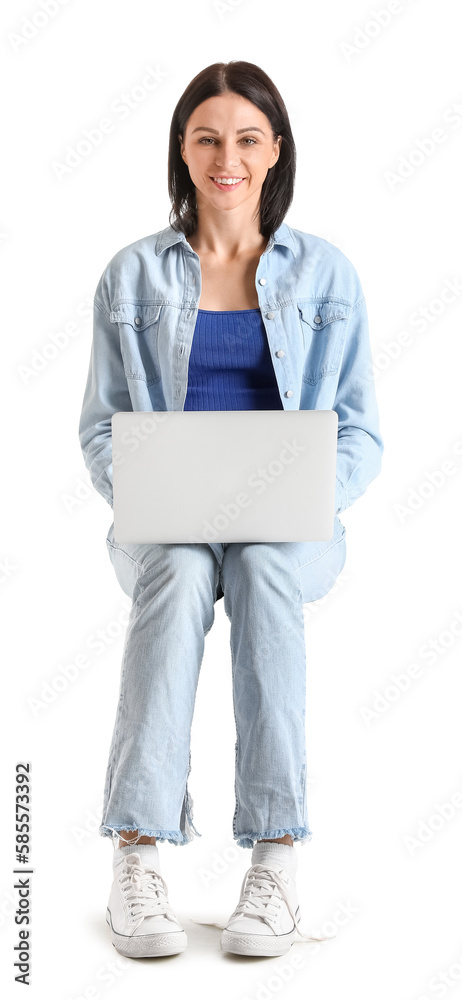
[(228, 182)]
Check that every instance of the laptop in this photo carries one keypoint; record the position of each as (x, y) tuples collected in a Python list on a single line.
[(224, 475)]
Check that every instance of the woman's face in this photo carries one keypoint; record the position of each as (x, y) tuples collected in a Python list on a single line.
[(227, 136)]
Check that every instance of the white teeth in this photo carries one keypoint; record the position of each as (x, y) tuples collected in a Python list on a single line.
[(228, 180)]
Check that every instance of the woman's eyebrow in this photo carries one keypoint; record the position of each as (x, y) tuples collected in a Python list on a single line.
[(203, 128)]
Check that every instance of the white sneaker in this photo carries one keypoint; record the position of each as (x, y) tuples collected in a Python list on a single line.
[(266, 919), (141, 919)]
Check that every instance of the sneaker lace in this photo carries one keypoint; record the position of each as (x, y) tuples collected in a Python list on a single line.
[(145, 892)]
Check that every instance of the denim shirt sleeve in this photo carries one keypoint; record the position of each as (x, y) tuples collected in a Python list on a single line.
[(106, 392), (359, 444)]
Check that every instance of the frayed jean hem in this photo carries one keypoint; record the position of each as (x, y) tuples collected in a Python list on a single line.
[(175, 837), (300, 833)]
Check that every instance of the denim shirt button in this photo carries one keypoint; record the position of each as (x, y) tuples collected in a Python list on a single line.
[(137, 320), (289, 393), (280, 354), (262, 281), (270, 315), (318, 319)]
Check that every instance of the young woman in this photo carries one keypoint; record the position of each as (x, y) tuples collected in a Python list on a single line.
[(226, 308)]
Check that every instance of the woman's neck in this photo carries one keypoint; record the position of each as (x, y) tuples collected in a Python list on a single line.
[(224, 241)]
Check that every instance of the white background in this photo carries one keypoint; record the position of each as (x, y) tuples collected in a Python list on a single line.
[(374, 784)]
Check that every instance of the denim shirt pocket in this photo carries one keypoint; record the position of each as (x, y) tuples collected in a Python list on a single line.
[(138, 330), (324, 323)]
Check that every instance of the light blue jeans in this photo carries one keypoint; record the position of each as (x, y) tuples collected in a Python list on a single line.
[(174, 588)]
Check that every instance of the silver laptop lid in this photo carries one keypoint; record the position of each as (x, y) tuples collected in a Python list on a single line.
[(224, 475)]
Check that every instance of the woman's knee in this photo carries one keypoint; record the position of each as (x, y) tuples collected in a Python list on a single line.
[(183, 567), (187, 570), (260, 567), (255, 557), (317, 578)]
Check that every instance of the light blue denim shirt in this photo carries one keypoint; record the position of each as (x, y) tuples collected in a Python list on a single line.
[(314, 313)]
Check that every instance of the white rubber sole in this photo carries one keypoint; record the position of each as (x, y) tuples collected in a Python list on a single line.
[(257, 944), (148, 945)]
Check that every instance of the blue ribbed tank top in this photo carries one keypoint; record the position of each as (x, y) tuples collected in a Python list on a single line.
[(230, 365)]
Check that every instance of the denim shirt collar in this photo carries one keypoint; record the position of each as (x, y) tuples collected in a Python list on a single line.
[(283, 235)]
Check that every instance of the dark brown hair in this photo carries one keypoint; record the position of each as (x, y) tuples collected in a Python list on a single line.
[(251, 82)]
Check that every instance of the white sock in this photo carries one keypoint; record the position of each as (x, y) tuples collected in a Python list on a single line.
[(149, 855), (265, 851)]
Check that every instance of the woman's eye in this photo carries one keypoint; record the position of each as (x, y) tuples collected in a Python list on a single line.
[(208, 138)]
